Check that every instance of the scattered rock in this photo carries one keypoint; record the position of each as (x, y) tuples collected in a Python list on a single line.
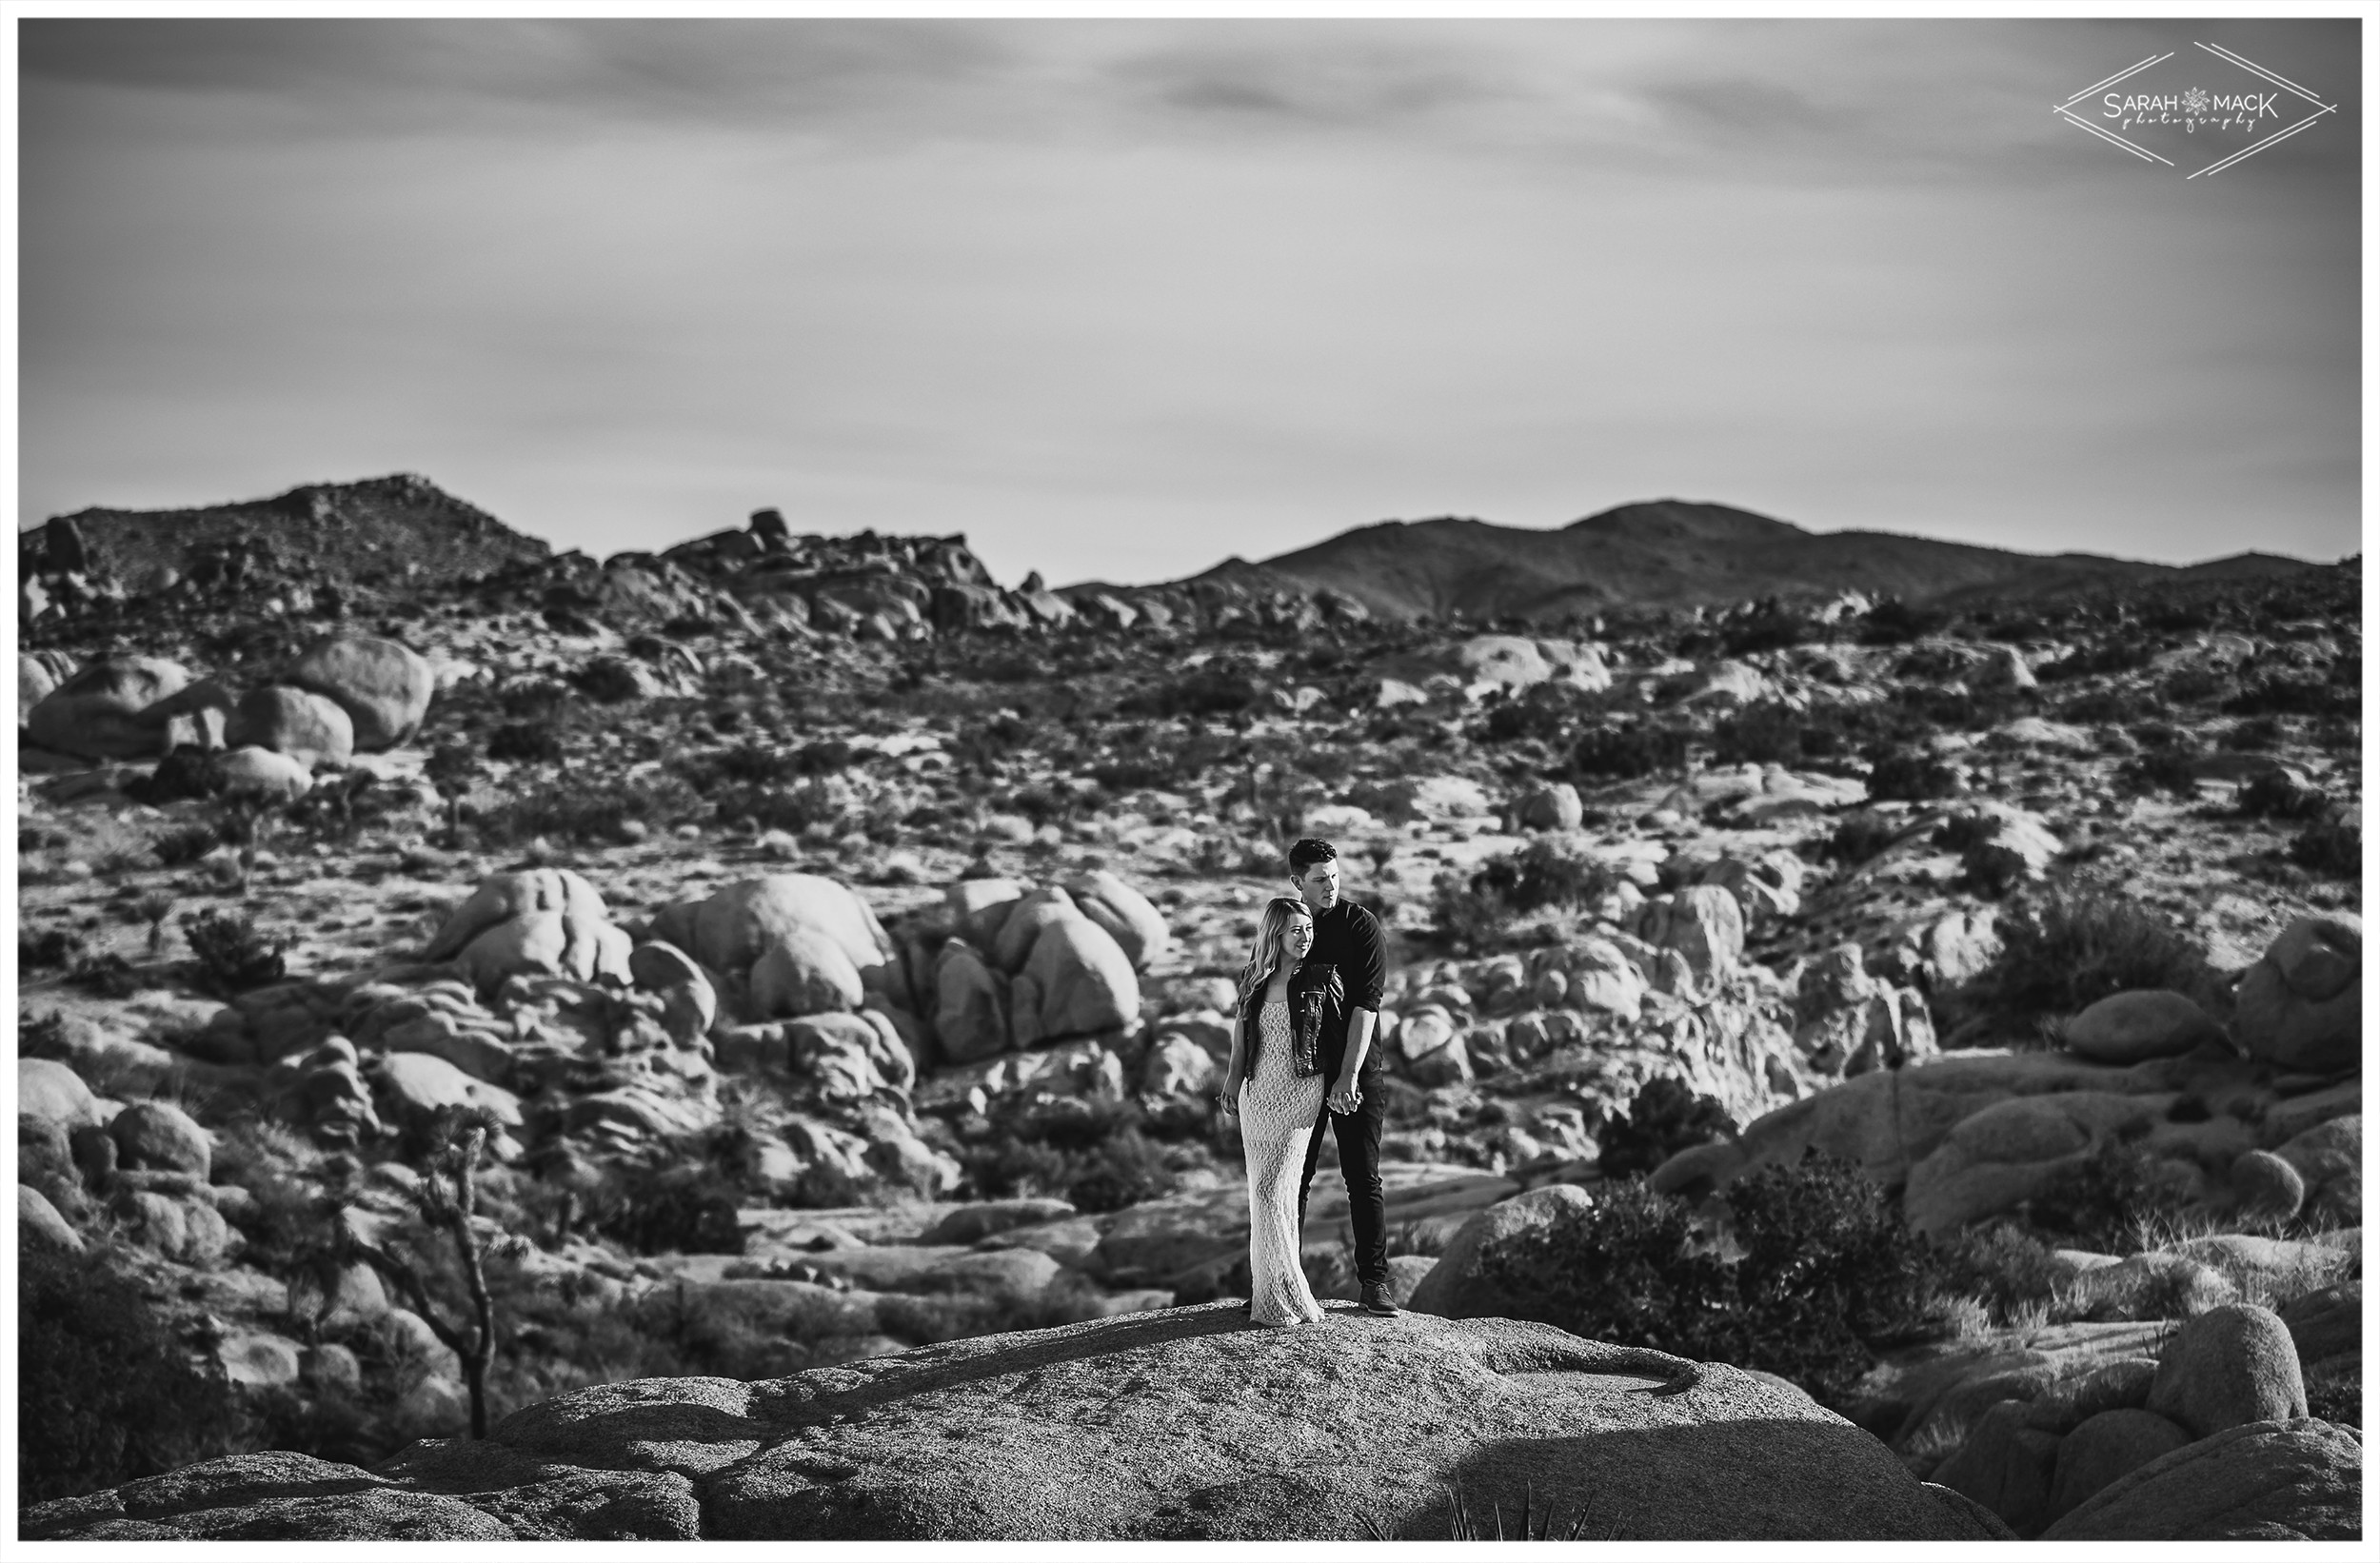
[(40, 1226), (157, 1136), (2227, 1367), (47, 1089)]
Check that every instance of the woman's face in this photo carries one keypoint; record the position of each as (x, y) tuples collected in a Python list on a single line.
[(1297, 937)]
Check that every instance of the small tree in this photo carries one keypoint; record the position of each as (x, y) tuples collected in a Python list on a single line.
[(446, 1203), (245, 819), (451, 768)]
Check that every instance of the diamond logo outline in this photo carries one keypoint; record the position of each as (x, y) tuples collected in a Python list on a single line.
[(2066, 110)]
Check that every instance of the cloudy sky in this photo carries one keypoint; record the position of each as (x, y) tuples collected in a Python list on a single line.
[(1119, 299)]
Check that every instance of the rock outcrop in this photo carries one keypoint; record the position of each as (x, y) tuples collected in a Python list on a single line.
[(1187, 1424)]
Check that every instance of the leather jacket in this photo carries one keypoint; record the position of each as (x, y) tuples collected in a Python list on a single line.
[(1314, 992)]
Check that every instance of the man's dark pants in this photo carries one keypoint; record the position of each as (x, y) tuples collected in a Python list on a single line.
[(1360, 1162)]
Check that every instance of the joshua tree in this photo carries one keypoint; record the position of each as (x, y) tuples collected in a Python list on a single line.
[(154, 907), (446, 1203)]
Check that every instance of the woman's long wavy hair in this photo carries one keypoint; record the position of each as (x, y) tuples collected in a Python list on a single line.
[(1265, 958)]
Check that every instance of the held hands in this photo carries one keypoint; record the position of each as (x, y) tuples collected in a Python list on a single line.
[(1345, 1097)]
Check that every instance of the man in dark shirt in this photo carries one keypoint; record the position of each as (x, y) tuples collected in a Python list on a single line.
[(1349, 938)]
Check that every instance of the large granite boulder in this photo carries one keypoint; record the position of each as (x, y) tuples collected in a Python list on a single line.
[(2295, 1480), (2301, 1006), (1076, 981), (95, 714), (384, 688), (310, 728), (2013, 1151), (1454, 1287), (1128, 917), (536, 922), (803, 973), (1702, 922), (1185, 1424), (249, 769), (970, 1004), (2146, 1023), (732, 930), (2103, 1447), (52, 1090), (159, 1136), (2228, 1367)]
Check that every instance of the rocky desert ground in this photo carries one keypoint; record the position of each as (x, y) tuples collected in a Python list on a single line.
[(721, 1044)]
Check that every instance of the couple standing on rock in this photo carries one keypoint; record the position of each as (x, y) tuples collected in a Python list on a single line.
[(1302, 1054)]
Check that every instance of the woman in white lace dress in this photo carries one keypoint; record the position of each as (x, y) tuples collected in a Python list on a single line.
[(1278, 1106)]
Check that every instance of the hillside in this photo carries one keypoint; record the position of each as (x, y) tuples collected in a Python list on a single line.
[(345, 534), (1673, 553)]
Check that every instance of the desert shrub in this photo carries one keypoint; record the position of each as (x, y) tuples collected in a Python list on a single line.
[(746, 763), (187, 772), (1666, 1116), (2335, 1390), (537, 698), (1896, 622), (1991, 869), (105, 1391), (1858, 838), (2166, 769), (1474, 911), (2193, 685), (1763, 733), (1911, 776), (663, 1207), (341, 806), (2107, 1202), (1770, 625), (2277, 795), (2064, 950), (2277, 694), (2330, 847), (1216, 690), (1126, 1169), (1542, 875), (1546, 713), (2001, 1265), (1622, 753), (1094, 1152), (576, 809), (2119, 653), (2255, 734), (51, 948), (230, 955), (2096, 706), (534, 741), (1825, 1271)]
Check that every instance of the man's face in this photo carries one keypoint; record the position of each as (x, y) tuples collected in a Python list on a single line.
[(1319, 884)]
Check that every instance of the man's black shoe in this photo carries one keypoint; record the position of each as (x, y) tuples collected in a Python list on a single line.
[(1376, 1300)]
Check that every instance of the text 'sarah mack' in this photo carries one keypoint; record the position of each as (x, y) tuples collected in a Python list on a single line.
[(2257, 105)]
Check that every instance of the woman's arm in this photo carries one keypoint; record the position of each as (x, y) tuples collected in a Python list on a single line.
[(1235, 1071)]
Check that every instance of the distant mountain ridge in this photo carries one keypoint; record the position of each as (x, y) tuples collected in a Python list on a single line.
[(1676, 553)]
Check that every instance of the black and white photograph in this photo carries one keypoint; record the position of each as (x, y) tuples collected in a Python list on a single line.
[(1376, 777)]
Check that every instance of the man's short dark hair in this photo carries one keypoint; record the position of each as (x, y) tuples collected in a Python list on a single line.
[(1307, 853)]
